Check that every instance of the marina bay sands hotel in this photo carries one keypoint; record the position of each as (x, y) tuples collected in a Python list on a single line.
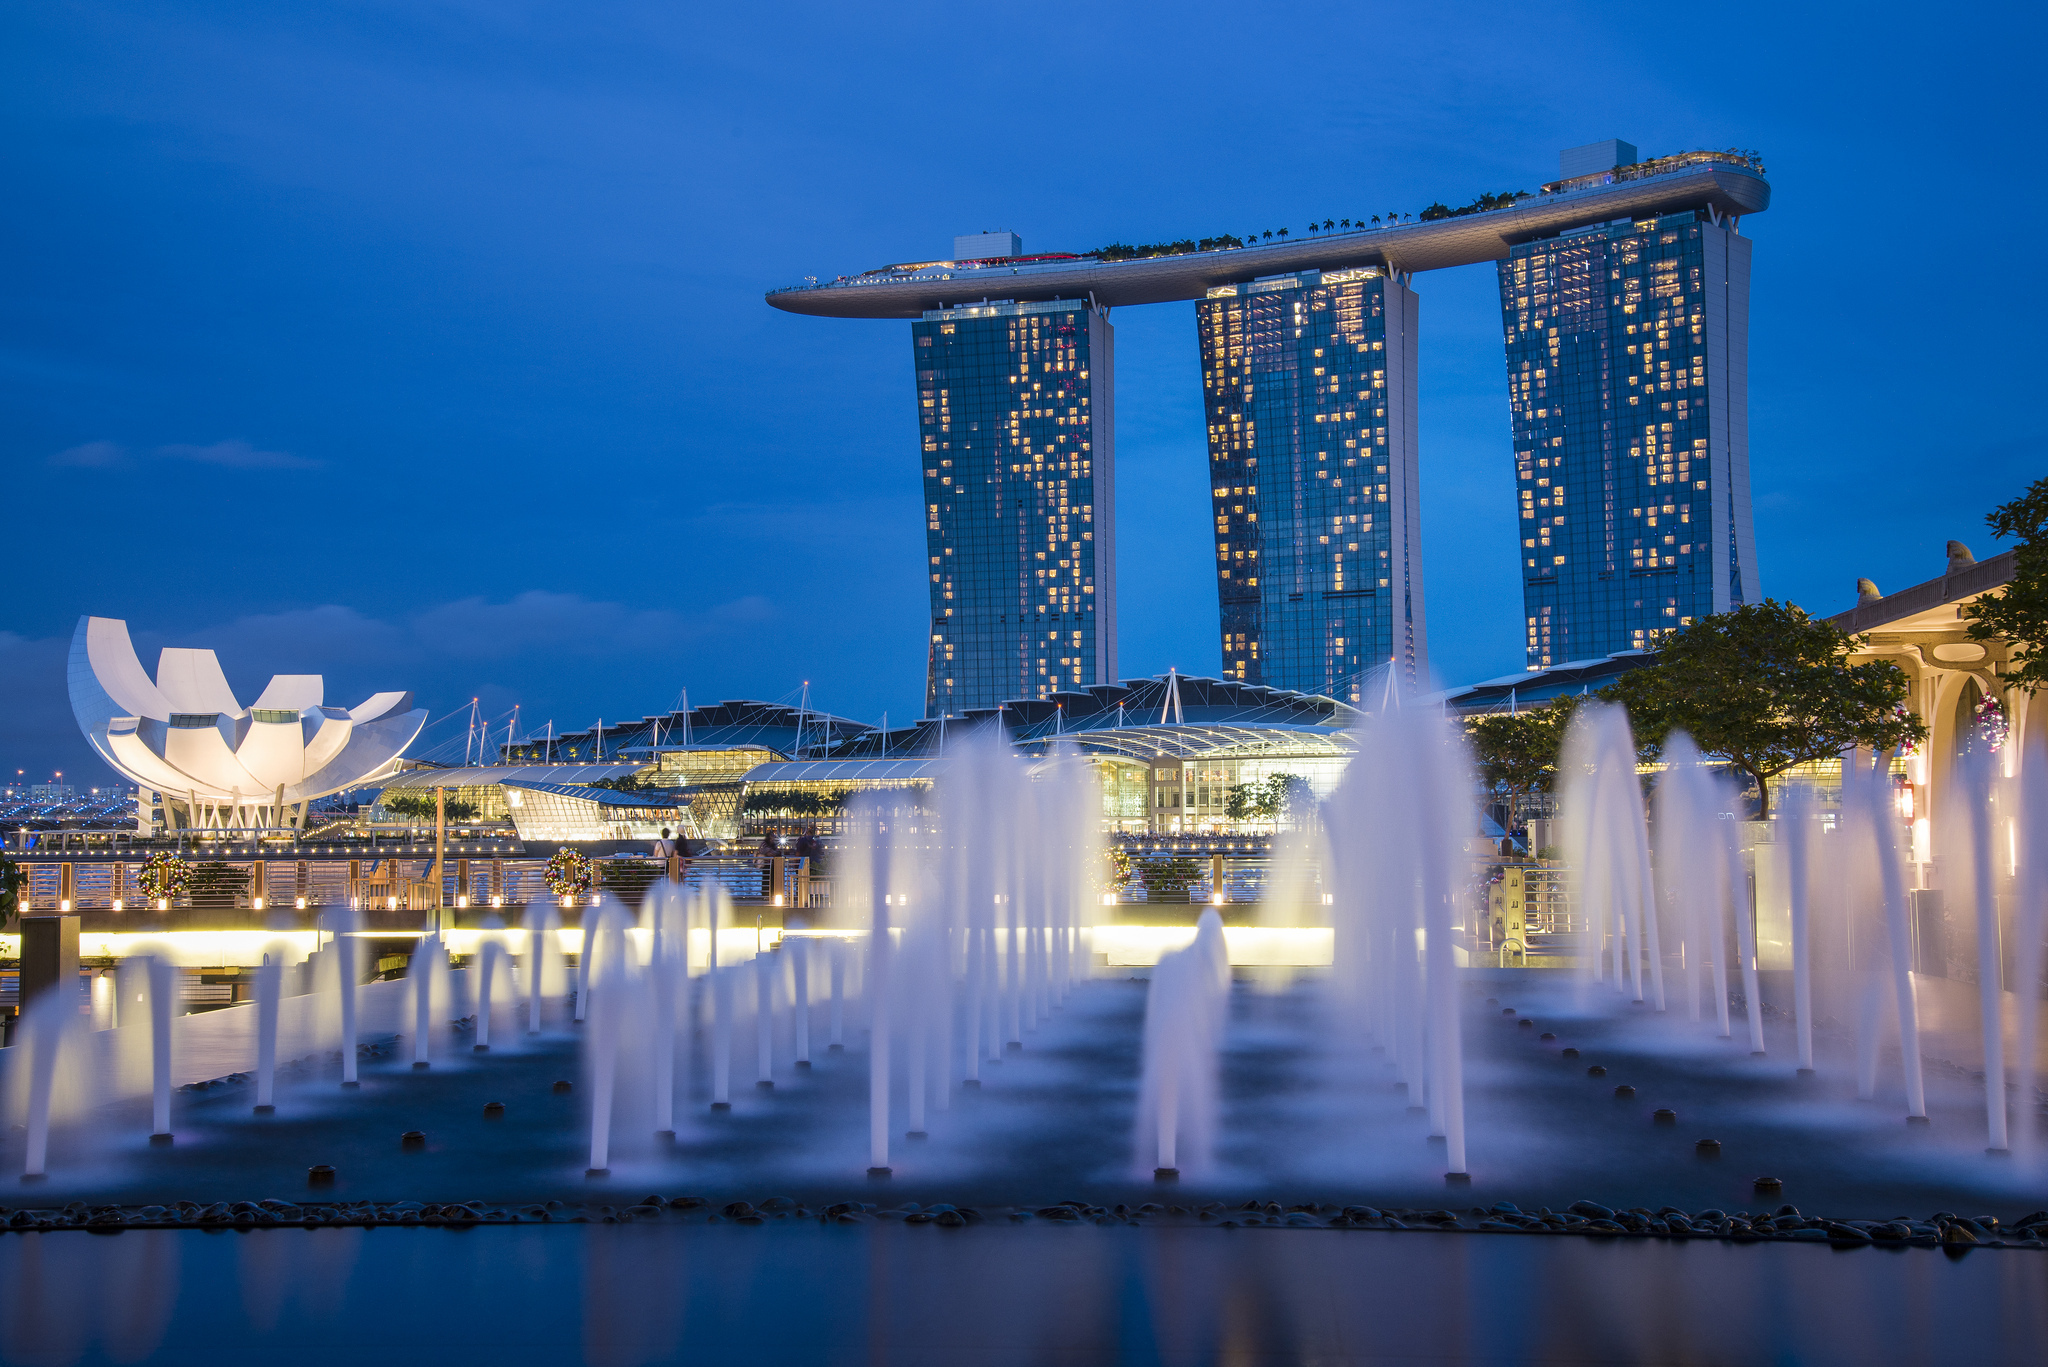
[(1624, 295)]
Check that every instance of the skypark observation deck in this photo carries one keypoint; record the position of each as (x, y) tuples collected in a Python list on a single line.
[(1725, 184)]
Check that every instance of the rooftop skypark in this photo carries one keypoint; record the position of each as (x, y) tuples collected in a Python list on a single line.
[(1729, 184)]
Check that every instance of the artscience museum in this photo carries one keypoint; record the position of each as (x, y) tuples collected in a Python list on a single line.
[(183, 736)]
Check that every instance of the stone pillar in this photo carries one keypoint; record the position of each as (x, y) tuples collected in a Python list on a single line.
[(1215, 876), (49, 956), (66, 889)]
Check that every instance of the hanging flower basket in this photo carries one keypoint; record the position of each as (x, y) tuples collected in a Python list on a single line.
[(164, 875), (569, 873), (1992, 726)]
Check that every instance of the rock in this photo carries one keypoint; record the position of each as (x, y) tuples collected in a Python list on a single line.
[(564, 1086), (735, 1209), (1592, 1210), (950, 1219), (778, 1203), (1624, 1092), (1664, 1115), (1570, 1053), (1596, 1071), (1506, 1208)]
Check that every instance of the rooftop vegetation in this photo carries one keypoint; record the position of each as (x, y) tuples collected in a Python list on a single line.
[(1480, 205)]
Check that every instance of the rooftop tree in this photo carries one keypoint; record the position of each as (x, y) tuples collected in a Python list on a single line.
[(1766, 687), (2020, 613)]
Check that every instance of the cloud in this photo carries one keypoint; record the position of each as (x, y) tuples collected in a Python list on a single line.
[(232, 455), (92, 455), (238, 455)]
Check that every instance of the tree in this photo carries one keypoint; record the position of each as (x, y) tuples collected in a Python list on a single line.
[(11, 879), (420, 807), (2019, 614), (1518, 753), (1766, 687), (1277, 797)]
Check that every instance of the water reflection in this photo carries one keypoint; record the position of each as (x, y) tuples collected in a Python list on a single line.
[(622, 1296)]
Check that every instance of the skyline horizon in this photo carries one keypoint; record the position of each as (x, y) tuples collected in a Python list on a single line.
[(429, 348)]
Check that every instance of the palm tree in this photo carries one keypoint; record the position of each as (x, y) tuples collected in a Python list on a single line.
[(1327, 224), (1311, 227), (1283, 232), (1375, 218), (1344, 223)]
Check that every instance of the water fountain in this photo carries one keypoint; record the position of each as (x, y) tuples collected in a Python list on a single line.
[(1398, 826), (1184, 1016), (961, 941), (1607, 841)]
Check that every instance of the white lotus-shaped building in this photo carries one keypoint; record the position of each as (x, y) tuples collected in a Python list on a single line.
[(185, 736)]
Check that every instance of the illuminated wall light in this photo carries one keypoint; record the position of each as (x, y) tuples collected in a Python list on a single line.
[(299, 903), (119, 904), (256, 903)]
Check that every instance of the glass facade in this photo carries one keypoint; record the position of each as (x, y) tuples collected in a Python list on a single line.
[(1627, 388), (1015, 422), (1309, 385)]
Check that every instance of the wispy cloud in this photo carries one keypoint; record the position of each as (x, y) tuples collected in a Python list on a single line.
[(91, 455), (238, 455), (232, 455)]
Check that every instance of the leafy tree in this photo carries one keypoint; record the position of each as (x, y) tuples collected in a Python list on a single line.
[(793, 804), (625, 783), (1518, 753), (2019, 614), (1766, 687), (1275, 798), (12, 877), (420, 807)]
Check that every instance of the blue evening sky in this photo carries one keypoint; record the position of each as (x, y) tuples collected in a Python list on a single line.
[(422, 344)]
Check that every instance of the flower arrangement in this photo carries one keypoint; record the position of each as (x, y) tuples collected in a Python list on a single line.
[(569, 872), (164, 875), (1992, 726)]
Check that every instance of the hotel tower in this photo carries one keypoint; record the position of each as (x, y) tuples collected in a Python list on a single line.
[(1015, 425)]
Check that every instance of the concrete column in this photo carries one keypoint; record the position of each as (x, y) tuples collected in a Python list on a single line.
[(49, 956), (66, 886), (1215, 876)]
